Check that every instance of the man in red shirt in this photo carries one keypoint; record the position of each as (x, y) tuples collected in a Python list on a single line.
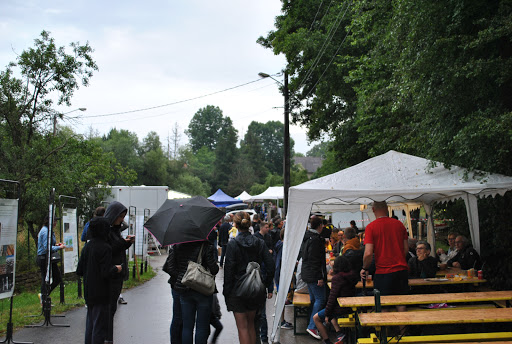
[(386, 238)]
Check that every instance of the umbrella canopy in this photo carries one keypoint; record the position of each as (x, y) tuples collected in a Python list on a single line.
[(183, 220)]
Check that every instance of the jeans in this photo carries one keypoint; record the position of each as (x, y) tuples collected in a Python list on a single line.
[(223, 254), (317, 297), (263, 325), (116, 285), (177, 321), (215, 322), (55, 273), (196, 309), (96, 324)]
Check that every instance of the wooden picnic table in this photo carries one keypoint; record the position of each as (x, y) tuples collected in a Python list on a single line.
[(413, 282), (425, 299), (450, 270), (442, 316)]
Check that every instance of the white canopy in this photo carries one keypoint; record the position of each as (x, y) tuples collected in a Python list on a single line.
[(273, 192), (244, 196), (404, 181)]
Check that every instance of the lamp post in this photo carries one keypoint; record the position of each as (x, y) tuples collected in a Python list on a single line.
[(286, 143), (55, 118)]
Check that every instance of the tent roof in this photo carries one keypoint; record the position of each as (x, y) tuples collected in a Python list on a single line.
[(244, 196), (220, 199), (176, 194), (273, 192), (396, 178)]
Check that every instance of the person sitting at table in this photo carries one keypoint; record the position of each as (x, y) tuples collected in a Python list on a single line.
[(422, 265), (412, 248), (444, 256), (467, 257), (352, 249), (343, 285), (336, 249)]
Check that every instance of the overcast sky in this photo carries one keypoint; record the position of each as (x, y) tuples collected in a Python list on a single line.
[(154, 53)]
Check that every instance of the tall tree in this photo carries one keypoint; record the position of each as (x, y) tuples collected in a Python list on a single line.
[(124, 145), (226, 154), (204, 127), (47, 75)]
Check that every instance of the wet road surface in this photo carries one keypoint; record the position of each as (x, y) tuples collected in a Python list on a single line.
[(147, 317)]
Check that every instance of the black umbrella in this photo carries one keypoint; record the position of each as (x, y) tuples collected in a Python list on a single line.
[(183, 220)]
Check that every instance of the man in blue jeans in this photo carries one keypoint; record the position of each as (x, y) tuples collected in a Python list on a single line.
[(314, 269)]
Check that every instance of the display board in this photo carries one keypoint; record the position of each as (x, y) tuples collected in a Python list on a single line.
[(70, 239), (8, 230)]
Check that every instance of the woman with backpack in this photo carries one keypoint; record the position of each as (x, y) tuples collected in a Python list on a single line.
[(242, 250)]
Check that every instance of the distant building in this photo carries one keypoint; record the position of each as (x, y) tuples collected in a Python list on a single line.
[(310, 163)]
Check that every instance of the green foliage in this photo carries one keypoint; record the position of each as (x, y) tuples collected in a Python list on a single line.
[(204, 127), (226, 154)]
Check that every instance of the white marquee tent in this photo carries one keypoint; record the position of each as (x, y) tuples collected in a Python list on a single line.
[(244, 196), (404, 181), (273, 192)]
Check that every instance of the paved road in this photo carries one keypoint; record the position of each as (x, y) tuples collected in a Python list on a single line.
[(146, 318)]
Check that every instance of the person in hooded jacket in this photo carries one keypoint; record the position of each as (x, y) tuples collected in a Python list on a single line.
[(196, 308), (95, 265), (243, 249), (115, 216)]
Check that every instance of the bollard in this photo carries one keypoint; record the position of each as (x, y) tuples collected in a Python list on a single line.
[(133, 271), (142, 268), (146, 265)]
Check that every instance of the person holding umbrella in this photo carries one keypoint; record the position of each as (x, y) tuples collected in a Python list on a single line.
[(240, 251), (115, 214), (196, 308), (186, 224)]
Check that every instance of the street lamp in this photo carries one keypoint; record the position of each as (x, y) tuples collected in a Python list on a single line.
[(55, 118), (286, 144)]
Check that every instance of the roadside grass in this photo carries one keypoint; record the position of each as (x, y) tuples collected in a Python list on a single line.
[(26, 303)]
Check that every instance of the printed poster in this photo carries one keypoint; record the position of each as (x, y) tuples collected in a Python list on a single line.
[(8, 231), (70, 239)]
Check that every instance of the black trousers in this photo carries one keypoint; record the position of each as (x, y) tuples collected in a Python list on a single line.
[(115, 290), (96, 325), (55, 274)]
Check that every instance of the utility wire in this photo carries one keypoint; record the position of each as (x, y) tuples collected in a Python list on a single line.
[(170, 104)]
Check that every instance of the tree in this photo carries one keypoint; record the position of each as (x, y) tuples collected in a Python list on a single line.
[(204, 127), (226, 154), (270, 135), (124, 145), (47, 75)]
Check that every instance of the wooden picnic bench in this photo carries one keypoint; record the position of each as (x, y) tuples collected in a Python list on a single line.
[(466, 338), (301, 309), (425, 299), (413, 282), (440, 317)]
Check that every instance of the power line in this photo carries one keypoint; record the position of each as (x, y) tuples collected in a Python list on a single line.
[(170, 104)]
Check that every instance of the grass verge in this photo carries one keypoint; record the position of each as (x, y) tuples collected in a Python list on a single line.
[(27, 303)]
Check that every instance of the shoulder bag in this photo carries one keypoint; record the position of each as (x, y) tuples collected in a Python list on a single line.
[(198, 278)]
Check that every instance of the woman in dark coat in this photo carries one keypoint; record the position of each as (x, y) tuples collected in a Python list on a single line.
[(196, 308), (243, 249), (115, 216), (95, 265)]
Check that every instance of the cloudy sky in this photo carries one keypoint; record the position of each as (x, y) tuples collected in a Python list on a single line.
[(154, 54)]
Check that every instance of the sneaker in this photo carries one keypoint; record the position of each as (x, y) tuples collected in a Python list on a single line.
[(339, 339), (314, 333), (286, 325), (122, 301)]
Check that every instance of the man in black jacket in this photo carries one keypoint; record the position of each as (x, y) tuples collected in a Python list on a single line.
[(224, 236), (95, 265), (467, 257), (422, 265), (314, 269)]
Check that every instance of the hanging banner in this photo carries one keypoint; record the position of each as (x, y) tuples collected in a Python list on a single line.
[(70, 239), (8, 231)]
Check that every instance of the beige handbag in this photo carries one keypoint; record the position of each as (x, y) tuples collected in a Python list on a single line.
[(198, 278)]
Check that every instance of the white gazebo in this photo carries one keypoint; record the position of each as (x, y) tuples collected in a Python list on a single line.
[(403, 181)]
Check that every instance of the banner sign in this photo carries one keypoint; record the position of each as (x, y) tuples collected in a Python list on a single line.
[(8, 231), (70, 239)]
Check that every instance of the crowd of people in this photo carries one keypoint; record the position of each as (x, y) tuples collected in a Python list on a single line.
[(383, 250)]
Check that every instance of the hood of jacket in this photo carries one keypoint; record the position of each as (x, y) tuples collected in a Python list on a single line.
[(352, 244), (246, 240), (113, 211), (309, 234), (99, 228)]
